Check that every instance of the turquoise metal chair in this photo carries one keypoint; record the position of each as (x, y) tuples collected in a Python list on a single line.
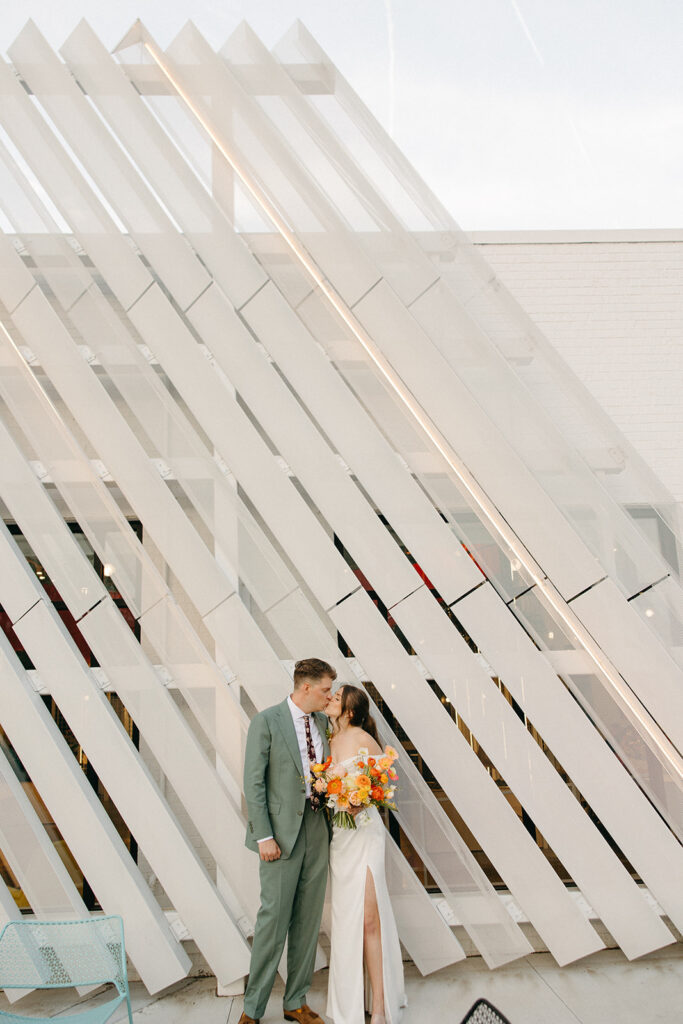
[(61, 954)]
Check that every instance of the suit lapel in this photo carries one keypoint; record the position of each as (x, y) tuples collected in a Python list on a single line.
[(286, 723)]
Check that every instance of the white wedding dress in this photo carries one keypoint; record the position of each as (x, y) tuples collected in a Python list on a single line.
[(354, 852)]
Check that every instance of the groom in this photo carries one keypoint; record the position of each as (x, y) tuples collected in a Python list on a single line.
[(288, 828)]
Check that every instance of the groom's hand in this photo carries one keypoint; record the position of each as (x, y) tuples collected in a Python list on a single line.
[(269, 850)]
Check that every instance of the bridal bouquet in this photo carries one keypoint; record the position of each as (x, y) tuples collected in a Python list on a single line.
[(359, 782)]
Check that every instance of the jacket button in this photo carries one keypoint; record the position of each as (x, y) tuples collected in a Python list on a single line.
[(300, 813)]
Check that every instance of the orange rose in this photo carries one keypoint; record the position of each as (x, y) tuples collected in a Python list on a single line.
[(371, 761), (334, 786), (363, 782), (377, 793)]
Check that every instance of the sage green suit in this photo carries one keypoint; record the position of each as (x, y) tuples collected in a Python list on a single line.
[(293, 887)]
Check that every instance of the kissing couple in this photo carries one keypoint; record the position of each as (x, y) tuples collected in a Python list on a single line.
[(297, 842)]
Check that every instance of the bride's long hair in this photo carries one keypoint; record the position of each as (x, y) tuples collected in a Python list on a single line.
[(354, 701)]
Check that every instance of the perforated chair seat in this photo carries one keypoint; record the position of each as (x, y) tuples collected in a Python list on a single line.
[(484, 1012), (66, 954), (96, 1015)]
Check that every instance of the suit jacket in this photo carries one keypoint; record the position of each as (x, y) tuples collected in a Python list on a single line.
[(274, 785)]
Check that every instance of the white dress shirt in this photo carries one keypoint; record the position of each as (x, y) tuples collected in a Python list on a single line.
[(300, 728), (298, 717)]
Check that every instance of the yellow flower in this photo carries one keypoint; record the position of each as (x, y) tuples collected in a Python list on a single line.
[(384, 778)]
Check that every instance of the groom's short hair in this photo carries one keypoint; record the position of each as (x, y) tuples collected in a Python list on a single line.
[(312, 668)]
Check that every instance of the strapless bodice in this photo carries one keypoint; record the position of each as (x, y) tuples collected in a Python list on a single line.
[(362, 753)]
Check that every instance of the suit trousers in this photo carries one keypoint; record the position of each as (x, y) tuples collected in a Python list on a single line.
[(292, 898)]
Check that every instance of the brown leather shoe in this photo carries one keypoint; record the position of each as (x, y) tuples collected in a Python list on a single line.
[(246, 1019), (304, 1014)]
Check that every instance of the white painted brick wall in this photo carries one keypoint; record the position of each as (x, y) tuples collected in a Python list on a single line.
[(613, 308)]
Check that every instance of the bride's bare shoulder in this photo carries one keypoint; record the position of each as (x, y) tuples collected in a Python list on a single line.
[(366, 740), (351, 742)]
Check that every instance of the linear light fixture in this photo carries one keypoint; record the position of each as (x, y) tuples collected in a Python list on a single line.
[(477, 494)]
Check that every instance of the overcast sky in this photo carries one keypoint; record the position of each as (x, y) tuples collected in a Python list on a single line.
[(518, 113)]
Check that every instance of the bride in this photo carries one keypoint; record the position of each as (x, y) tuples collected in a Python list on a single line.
[(363, 926)]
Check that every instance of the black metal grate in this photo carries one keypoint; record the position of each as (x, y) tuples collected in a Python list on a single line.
[(484, 1013)]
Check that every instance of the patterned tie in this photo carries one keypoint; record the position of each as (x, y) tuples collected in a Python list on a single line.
[(316, 802)]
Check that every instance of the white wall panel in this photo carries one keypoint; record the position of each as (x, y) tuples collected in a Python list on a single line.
[(34, 861), (201, 220), (626, 814), (528, 875), (297, 440), (214, 811), (57, 91), (478, 443), (9, 911), (111, 340), (468, 892), (89, 833), (43, 151), (17, 281), (430, 942), (253, 557), (609, 534), (196, 46), (197, 677), (127, 780), (168, 633), (79, 587), (378, 233), (268, 161), (553, 385), (243, 449), (545, 797), (115, 442), (661, 608), (349, 509), (85, 494), (37, 866), (361, 445), (610, 704), (457, 335), (251, 658), (633, 648)]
